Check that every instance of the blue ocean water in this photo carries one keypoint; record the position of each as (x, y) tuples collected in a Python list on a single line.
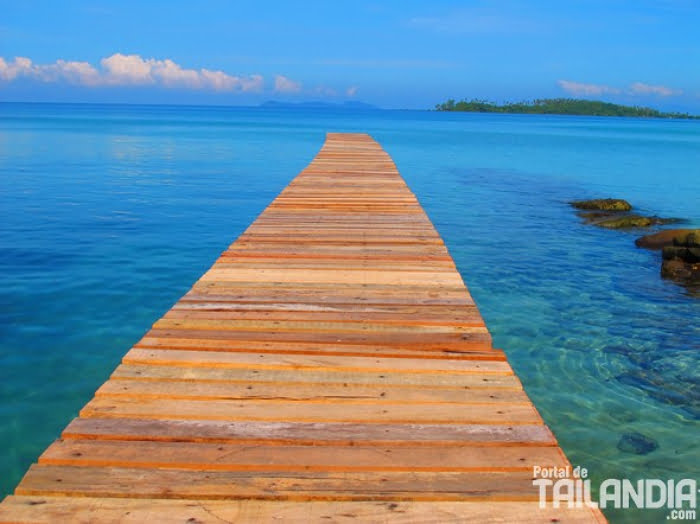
[(109, 213)]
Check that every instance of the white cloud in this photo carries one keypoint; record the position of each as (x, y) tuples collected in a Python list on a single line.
[(639, 88), (286, 85), (122, 69), (220, 81), (351, 91), (577, 88), (133, 70), (19, 67), (73, 72), (61, 70), (125, 70)]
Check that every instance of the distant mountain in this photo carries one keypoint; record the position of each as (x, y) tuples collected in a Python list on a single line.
[(349, 104)]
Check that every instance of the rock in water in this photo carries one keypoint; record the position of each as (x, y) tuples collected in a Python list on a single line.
[(689, 255), (591, 217), (613, 213), (676, 270), (661, 239), (637, 443), (681, 260), (602, 204), (689, 239), (632, 221), (681, 247)]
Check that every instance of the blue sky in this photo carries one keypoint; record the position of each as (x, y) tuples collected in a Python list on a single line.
[(396, 54)]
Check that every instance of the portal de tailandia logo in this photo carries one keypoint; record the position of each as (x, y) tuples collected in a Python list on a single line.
[(570, 486)]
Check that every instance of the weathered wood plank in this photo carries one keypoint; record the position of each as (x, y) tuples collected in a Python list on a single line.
[(49, 510), (313, 434), (320, 362), (297, 485), (328, 410), (359, 313), (200, 390), (318, 377), (477, 338), (316, 348), (313, 325), (333, 276), (244, 457)]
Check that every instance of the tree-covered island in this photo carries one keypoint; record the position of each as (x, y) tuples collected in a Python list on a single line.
[(558, 106)]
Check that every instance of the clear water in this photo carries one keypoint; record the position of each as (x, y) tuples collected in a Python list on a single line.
[(109, 213)]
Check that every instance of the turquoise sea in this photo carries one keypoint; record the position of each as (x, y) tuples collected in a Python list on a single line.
[(109, 213)]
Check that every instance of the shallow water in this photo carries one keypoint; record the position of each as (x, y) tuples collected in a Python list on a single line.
[(109, 213)]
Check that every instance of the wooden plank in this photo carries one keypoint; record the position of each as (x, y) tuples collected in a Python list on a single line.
[(378, 311), (312, 326), (245, 457), (312, 434), (318, 377), (360, 295), (320, 362), (49, 510), (344, 276), (348, 312), (199, 390), (367, 411), (316, 348), (297, 485), (474, 339)]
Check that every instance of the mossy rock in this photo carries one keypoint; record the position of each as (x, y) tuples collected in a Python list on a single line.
[(680, 271), (625, 222), (688, 238), (667, 237), (595, 216), (602, 204), (633, 221), (681, 262), (691, 255)]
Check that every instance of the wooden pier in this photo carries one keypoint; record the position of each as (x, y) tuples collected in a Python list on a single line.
[(330, 367)]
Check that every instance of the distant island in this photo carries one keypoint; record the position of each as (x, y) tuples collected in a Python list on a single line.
[(558, 106)]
